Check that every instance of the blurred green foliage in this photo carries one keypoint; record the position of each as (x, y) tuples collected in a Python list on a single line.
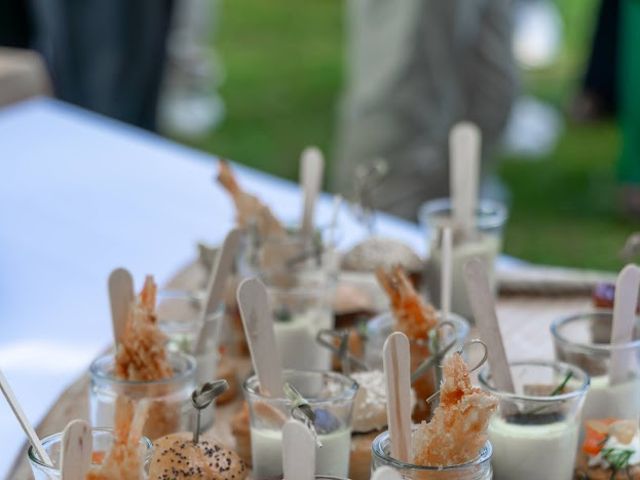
[(284, 63)]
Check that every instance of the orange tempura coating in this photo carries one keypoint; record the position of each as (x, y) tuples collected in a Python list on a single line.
[(249, 210), (458, 430), (125, 459), (413, 316), (141, 354)]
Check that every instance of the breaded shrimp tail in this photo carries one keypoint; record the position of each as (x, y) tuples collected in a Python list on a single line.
[(249, 210), (458, 430), (413, 316)]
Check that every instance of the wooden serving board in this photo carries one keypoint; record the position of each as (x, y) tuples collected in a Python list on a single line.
[(524, 322)]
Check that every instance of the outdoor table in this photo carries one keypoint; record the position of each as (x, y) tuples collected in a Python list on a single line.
[(82, 194)]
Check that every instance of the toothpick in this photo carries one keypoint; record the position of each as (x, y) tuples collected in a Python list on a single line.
[(464, 145), (484, 312), (77, 447), (121, 296), (624, 319), (445, 274), (298, 451), (397, 371), (311, 171), (23, 420), (258, 327), (215, 289)]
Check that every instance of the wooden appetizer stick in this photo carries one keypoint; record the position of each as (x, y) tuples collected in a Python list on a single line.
[(258, 327), (121, 296), (77, 447), (386, 473), (445, 274), (624, 320), (311, 171), (464, 146), (298, 451), (484, 312), (215, 288), (397, 371), (23, 420)]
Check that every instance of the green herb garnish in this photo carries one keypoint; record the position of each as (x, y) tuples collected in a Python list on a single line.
[(556, 391), (283, 315), (617, 458)]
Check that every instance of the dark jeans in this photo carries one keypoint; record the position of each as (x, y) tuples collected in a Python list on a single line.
[(104, 55)]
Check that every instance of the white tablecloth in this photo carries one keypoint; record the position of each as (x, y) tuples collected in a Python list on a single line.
[(80, 195)]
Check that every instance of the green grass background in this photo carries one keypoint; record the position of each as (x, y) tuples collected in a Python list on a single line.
[(284, 67)]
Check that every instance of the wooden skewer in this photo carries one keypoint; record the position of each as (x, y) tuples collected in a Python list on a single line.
[(23, 420), (624, 320), (258, 327), (311, 171), (77, 447), (397, 371), (464, 146), (121, 296), (298, 451), (215, 289), (484, 312)]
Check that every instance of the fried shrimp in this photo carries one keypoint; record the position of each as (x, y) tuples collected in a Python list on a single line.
[(458, 430), (125, 459), (142, 355), (413, 316), (249, 209)]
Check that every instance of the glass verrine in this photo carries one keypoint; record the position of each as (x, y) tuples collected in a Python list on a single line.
[(300, 305), (453, 334), (584, 340), (102, 441), (477, 469), (179, 316), (170, 399), (434, 216), (329, 395), (534, 431)]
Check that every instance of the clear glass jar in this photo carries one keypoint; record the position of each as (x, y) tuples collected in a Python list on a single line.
[(535, 430), (301, 307), (170, 410), (477, 469), (102, 441), (434, 216), (584, 340), (379, 328), (178, 315), (329, 395)]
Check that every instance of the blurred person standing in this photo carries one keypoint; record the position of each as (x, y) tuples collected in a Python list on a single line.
[(416, 68), (105, 55)]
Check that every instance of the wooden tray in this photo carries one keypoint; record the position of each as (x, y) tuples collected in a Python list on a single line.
[(524, 321)]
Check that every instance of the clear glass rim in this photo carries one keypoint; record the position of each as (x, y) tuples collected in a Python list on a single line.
[(251, 388), (577, 373), (462, 325), (377, 450), (108, 359), (592, 347), (489, 213), (292, 231), (57, 437)]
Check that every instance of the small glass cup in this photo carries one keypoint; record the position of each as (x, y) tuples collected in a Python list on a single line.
[(534, 432), (102, 441), (300, 309), (178, 315), (330, 396), (379, 328), (434, 215), (584, 340), (170, 409), (477, 469)]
